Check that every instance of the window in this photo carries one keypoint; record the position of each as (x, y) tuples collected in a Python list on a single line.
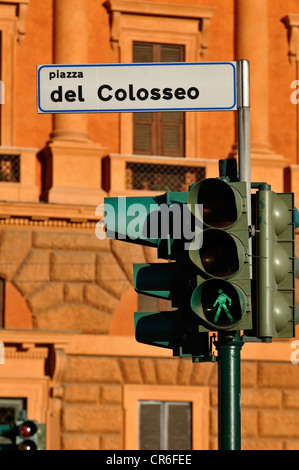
[(166, 417), (185, 26), (165, 425), (158, 133)]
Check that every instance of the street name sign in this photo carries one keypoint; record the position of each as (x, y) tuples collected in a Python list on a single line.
[(98, 88)]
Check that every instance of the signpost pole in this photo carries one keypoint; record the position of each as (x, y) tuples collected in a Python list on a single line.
[(243, 104)]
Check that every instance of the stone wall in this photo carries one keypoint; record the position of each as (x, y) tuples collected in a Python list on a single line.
[(93, 414)]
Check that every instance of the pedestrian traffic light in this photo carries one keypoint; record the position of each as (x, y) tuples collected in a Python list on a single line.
[(275, 288), (222, 295)]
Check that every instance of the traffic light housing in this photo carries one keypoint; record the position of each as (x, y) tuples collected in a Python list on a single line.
[(275, 264), (221, 265)]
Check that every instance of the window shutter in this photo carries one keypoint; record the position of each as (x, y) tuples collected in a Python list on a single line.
[(158, 133), (143, 133), (165, 425), (149, 426), (171, 53), (172, 130), (179, 426)]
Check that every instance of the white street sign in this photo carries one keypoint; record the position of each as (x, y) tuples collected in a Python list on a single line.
[(98, 88)]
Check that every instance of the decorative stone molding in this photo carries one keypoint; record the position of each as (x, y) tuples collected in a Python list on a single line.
[(291, 22), (21, 7), (49, 216), (34, 365), (202, 14)]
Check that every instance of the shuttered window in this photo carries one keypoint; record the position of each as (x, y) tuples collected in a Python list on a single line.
[(165, 425), (158, 133)]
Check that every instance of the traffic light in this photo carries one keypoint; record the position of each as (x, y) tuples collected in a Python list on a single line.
[(275, 267), (174, 329), (25, 434), (166, 223), (221, 265), (151, 221)]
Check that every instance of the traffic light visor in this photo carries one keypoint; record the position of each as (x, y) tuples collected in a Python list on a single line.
[(221, 202), (221, 254)]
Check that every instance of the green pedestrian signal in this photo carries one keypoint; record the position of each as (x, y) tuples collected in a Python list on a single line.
[(221, 301)]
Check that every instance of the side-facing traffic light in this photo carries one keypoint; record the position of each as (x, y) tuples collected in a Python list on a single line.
[(275, 268), (222, 295), (163, 222)]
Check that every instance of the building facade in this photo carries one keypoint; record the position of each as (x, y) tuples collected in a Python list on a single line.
[(70, 358)]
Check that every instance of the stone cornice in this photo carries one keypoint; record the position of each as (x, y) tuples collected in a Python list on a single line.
[(47, 215), (202, 14)]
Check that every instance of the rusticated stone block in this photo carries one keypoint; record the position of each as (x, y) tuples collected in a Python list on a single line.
[(14, 247), (74, 317), (68, 241), (73, 292), (127, 254), (110, 276), (184, 372), (72, 266), (111, 442), (81, 393), (261, 399), (34, 272), (279, 423), (249, 423), (99, 298), (261, 444), (166, 371), (111, 394), (290, 399), (47, 296), (130, 370), (80, 442), (278, 375), (91, 419), (92, 370), (202, 373), (249, 374), (148, 371)]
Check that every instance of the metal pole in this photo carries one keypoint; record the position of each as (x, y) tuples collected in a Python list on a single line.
[(229, 391), (243, 104)]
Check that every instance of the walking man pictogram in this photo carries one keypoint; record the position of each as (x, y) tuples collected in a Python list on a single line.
[(221, 300)]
